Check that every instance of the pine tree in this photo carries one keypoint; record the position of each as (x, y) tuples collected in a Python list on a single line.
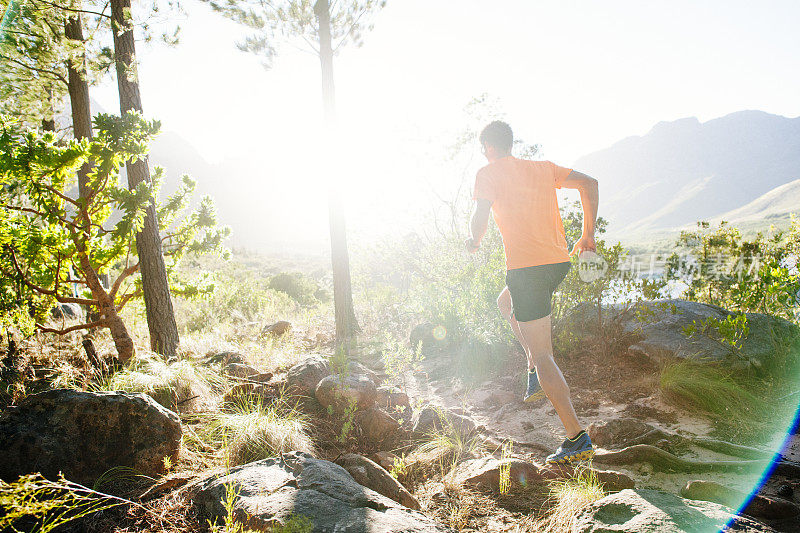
[(324, 29)]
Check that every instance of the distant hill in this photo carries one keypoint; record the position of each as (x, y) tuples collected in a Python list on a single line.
[(775, 204), (685, 170)]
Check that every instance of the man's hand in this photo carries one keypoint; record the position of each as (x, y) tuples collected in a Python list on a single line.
[(586, 242), (472, 245)]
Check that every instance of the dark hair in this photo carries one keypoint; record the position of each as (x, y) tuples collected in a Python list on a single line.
[(498, 134)]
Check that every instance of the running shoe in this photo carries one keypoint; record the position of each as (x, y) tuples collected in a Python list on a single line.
[(534, 392), (573, 450)]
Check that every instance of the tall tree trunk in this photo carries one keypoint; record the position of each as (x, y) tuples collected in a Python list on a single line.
[(78, 87), (155, 286), (346, 322), (79, 95)]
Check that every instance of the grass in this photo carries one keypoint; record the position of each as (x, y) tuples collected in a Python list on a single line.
[(441, 450), (569, 497), (39, 505), (713, 390), (182, 384), (250, 431)]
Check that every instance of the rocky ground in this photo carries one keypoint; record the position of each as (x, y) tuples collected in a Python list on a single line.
[(431, 451)]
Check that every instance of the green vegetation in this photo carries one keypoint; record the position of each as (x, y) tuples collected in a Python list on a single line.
[(569, 497), (53, 239), (250, 431), (735, 401), (174, 385), (39, 505), (747, 275)]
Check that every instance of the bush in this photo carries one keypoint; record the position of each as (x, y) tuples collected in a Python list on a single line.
[(300, 287)]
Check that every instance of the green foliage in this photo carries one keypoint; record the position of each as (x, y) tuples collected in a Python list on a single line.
[(729, 331), (39, 505), (35, 51), (54, 243), (300, 287), (274, 21), (721, 267), (399, 359)]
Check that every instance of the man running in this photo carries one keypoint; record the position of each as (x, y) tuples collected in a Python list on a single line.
[(522, 197)]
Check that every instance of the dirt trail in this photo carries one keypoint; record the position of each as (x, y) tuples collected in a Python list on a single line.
[(496, 404)]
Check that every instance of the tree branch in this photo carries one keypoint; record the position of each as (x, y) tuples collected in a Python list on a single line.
[(58, 76), (42, 290), (125, 299), (90, 325), (74, 10), (124, 274)]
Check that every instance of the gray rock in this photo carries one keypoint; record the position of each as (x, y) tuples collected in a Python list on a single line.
[(305, 375), (342, 390), (658, 333), (377, 426), (652, 511), (272, 490), (277, 329), (66, 311), (392, 398), (435, 418), (373, 476), (84, 434), (354, 367), (241, 370), (431, 338), (223, 357), (760, 506), (485, 472), (615, 432)]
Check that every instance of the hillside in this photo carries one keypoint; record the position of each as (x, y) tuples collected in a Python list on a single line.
[(685, 170)]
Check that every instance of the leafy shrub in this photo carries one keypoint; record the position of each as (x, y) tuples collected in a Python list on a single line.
[(300, 287), (720, 267)]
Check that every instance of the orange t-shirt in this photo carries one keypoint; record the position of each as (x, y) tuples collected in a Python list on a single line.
[(525, 208)]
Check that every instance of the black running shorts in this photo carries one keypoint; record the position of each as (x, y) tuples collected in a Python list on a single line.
[(532, 289)]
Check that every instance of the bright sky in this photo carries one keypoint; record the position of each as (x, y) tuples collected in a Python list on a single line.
[(572, 76)]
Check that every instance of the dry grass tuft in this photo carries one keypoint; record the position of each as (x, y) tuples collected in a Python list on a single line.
[(569, 497), (250, 431)]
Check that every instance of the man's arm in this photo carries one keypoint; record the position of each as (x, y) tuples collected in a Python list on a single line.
[(590, 197), (478, 224)]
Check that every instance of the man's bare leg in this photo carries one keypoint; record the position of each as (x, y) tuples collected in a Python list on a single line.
[(536, 334), (506, 309)]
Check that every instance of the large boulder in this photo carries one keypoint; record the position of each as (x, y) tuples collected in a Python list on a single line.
[(66, 311), (656, 330), (434, 418), (377, 426), (375, 477), (269, 492), (341, 391), (303, 377), (84, 434), (652, 511)]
